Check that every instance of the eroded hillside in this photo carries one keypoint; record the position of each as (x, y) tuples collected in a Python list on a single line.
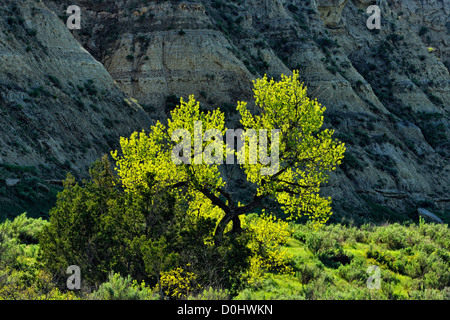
[(386, 91), (60, 108)]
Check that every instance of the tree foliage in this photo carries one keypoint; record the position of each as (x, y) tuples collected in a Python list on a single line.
[(144, 234), (306, 155)]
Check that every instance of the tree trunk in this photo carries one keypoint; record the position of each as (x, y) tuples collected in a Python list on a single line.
[(237, 228), (161, 293), (220, 229)]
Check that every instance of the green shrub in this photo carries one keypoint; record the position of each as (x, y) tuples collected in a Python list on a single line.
[(11, 21), (17, 233), (394, 38), (354, 271), (308, 273), (90, 88), (293, 7), (55, 81), (394, 236), (423, 30), (18, 169), (120, 288), (316, 290), (212, 294), (437, 275), (36, 92), (32, 32), (362, 234), (351, 162), (430, 294), (332, 69), (325, 42), (333, 258), (299, 235), (316, 243)]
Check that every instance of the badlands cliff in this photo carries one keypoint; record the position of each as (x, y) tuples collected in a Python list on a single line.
[(67, 95)]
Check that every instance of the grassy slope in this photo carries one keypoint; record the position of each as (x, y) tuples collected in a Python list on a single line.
[(331, 263)]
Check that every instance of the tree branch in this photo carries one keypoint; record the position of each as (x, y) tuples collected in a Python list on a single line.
[(255, 203), (177, 185), (214, 199), (227, 195)]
